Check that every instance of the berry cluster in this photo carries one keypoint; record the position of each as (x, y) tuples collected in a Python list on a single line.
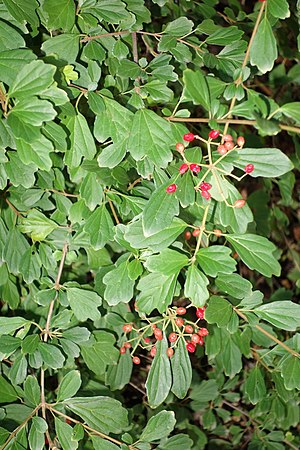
[(147, 336)]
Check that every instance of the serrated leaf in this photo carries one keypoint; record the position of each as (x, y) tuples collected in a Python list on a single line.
[(23, 10), (157, 292), (15, 247), (65, 46), (69, 385), (91, 191), (181, 370), (159, 426), (84, 303), (99, 227), (206, 391), (82, 141), (60, 14), (168, 262), (196, 88), (32, 79), (255, 386), (268, 162), (263, 51), (218, 311), (195, 287), (34, 111), (30, 266), (215, 259), (37, 225), (112, 11), (282, 314), (159, 379), (9, 38), (37, 152), (119, 285), (256, 252)]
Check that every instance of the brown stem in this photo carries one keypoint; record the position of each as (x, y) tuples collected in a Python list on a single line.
[(113, 211), (3, 100), (13, 208), (15, 432), (65, 194), (138, 180)]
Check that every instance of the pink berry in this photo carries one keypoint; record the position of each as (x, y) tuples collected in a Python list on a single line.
[(240, 141), (203, 332), (249, 168), (189, 137), (122, 350), (195, 338), (239, 203), (201, 341), (229, 145), (217, 232), (153, 351), (189, 329), (191, 348), (179, 147), (196, 232), (227, 138), (183, 168), (147, 340), (181, 311), (127, 345), (206, 195), (158, 334), (205, 186), (214, 134), (195, 168), (172, 188), (187, 235), (170, 352), (179, 321), (127, 328), (200, 312), (221, 149), (172, 337), (136, 360)]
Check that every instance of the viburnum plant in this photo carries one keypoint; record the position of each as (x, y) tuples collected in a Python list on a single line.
[(149, 246)]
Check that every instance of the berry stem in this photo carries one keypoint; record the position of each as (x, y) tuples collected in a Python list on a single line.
[(202, 229)]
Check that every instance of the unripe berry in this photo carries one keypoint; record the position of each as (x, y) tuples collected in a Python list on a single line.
[(200, 312), (153, 351), (214, 134), (249, 168), (205, 186), (179, 321), (206, 195), (240, 141), (179, 147), (181, 311), (239, 203), (183, 168), (187, 235), (147, 340), (154, 326), (189, 137), (172, 188), (122, 350), (196, 232), (221, 149), (127, 327), (203, 332), (172, 337), (127, 345), (229, 145), (158, 334), (218, 233), (227, 138), (136, 360), (195, 339), (195, 168), (191, 348), (189, 329), (170, 352)]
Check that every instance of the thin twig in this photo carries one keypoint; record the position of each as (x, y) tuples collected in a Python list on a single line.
[(113, 211), (15, 432), (138, 180)]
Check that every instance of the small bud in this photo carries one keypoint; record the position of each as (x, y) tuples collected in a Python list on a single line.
[(191, 348), (170, 352), (180, 147), (240, 141), (136, 360), (189, 329), (187, 235), (179, 321), (153, 351), (196, 232)]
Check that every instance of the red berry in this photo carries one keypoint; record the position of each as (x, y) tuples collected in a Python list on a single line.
[(249, 168), (218, 233), (190, 347), (205, 186), (189, 329), (153, 351), (213, 134), (195, 168), (147, 340), (187, 235), (203, 332), (122, 350), (136, 360), (170, 352), (239, 203), (201, 341), (189, 137), (127, 328), (172, 337), (196, 232), (183, 168), (181, 311), (206, 195), (154, 326), (172, 188), (127, 345), (179, 321), (158, 334), (200, 312), (229, 145), (227, 137), (179, 147), (221, 149), (240, 141), (195, 339)]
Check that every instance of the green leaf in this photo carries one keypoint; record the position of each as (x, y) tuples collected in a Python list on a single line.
[(7, 392), (101, 353), (82, 141), (256, 252), (224, 36), (263, 51), (279, 8), (230, 357), (65, 435), (33, 79), (268, 162), (8, 345), (113, 122), (34, 112), (23, 10), (60, 14), (37, 152), (282, 314), (179, 27), (159, 211), (36, 438), (11, 324), (91, 191), (52, 356), (65, 46), (216, 259), (178, 442), (196, 88), (218, 311), (159, 426), (9, 39), (84, 303), (103, 444), (290, 372), (234, 285), (18, 371), (32, 390), (195, 287), (157, 292), (119, 285), (15, 247), (159, 379), (150, 137), (94, 411), (112, 11), (168, 262), (69, 385), (291, 110), (206, 391), (99, 227), (118, 375), (30, 266), (181, 370), (255, 386), (30, 343), (37, 225)]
